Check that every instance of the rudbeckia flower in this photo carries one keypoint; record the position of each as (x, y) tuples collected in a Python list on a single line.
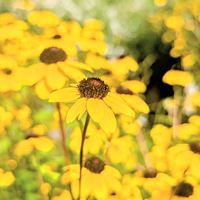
[(93, 95), (98, 179), (122, 65), (94, 142), (7, 178), (11, 27), (8, 74), (33, 141), (52, 72), (92, 37)]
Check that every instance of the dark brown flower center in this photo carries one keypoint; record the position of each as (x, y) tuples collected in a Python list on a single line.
[(93, 88), (7, 71), (123, 90), (31, 135), (57, 36), (52, 55), (150, 173), (183, 190), (94, 164), (195, 147)]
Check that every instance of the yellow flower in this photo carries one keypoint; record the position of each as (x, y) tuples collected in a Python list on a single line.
[(195, 99), (92, 37), (160, 2), (177, 77), (176, 158), (93, 95), (186, 130), (5, 119), (174, 22), (8, 74), (122, 65), (130, 125), (188, 60), (95, 139), (195, 119), (24, 4), (11, 28), (121, 151), (65, 195), (129, 191), (32, 142), (98, 179), (52, 72), (43, 18), (45, 188), (7, 178), (161, 135), (157, 156), (134, 101)]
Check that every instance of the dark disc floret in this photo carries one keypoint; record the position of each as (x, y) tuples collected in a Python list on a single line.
[(52, 55), (195, 147), (94, 164), (57, 36), (123, 90), (7, 71), (183, 189), (151, 173), (93, 88)]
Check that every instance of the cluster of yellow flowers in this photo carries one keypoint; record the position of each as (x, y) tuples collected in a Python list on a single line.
[(74, 122)]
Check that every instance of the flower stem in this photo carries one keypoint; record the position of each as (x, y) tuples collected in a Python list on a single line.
[(62, 133), (81, 153)]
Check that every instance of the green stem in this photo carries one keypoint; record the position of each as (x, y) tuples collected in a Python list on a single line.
[(81, 152)]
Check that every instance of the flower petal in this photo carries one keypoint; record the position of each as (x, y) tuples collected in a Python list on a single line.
[(64, 95), (118, 105), (79, 65), (71, 72), (32, 74), (78, 108), (101, 114), (42, 90), (54, 78)]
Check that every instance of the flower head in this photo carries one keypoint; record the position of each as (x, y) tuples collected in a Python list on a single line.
[(93, 95)]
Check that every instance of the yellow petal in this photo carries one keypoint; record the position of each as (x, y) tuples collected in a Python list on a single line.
[(71, 72), (118, 105), (41, 90), (54, 78), (178, 77), (64, 95), (78, 108), (101, 114), (32, 74), (137, 103), (79, 65)]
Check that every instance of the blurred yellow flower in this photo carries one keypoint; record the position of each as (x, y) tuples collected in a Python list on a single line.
[(7, 178), (43, 18), (65, 195), (98, 179), (195, 99), (45, 188)]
